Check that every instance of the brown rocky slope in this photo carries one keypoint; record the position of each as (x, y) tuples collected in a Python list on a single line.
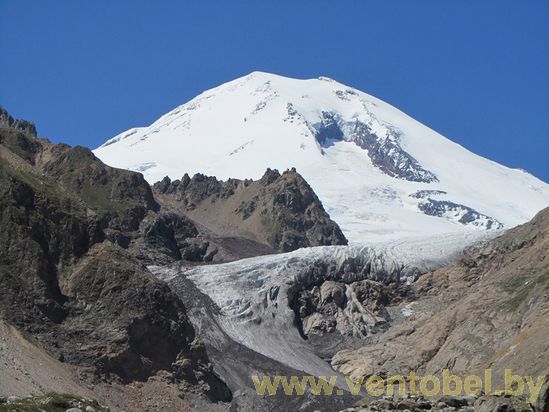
[(75, 236), (68, 276), (489, 309), (278, 210)]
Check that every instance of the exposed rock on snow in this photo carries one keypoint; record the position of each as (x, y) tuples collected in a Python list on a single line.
[(463, 214)]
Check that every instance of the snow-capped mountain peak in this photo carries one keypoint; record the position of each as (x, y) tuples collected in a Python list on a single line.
[(379, 173)]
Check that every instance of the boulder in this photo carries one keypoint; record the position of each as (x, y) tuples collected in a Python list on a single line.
[(542, 402), (454, 401), (493, 404), (332, 292)]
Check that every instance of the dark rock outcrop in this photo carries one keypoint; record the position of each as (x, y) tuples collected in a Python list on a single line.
[(17, 140), (355, 309), (192, 191), (280, 210), (24, 126), (467, 215), (70, 277), (454, 211), (385, 152), (168, 234), (120, 197)]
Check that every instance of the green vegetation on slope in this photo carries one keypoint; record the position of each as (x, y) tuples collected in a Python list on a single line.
[(521, 287), (51, 402)]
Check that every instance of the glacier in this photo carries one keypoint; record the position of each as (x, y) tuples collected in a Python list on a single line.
[(252, 297)]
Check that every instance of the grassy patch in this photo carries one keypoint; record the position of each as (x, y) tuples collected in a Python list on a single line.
[(39, 185), (520, 288), (98, 198), (51, 402)]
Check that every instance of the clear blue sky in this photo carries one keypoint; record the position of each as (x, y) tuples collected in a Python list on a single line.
[(476, 71)]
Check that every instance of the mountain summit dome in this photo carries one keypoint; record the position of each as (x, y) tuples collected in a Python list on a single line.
[(380, 174)]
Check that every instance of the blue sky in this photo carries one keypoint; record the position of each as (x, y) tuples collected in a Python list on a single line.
[(476, 71)]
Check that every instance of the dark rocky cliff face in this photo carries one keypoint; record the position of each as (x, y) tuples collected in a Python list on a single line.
[(70, 228), (7, 121), (280, 210), (297, 217)]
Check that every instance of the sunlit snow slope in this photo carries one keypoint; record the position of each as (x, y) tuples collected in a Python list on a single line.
[(380, 174)]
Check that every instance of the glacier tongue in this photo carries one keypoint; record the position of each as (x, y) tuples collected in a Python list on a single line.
[(254, 295)]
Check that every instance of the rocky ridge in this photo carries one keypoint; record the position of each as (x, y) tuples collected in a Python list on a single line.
[(70, 276), (279, 210)]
